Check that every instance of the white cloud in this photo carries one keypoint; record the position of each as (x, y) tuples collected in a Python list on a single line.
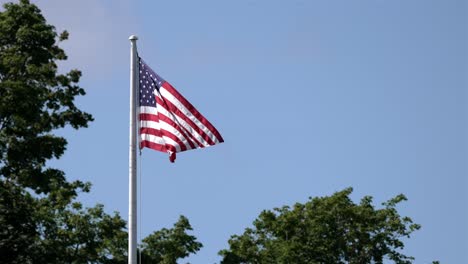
[(98, 30)]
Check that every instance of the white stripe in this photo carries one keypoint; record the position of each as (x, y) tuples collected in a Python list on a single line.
[(169, 141), (184, 124), (162, 125), (166, 94), (165, 126), (153, 138), (150, 124), (162, 141), (148, 110), (175, 132)]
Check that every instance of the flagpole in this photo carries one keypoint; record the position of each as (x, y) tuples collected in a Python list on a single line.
[(132, 176)]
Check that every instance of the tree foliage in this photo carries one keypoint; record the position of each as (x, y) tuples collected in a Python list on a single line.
[(166, 246), (35, 99), (35, 231), (40, 218), (77, 235), (325, 230), (18, 230)]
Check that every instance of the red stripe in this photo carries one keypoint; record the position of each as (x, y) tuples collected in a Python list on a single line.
[(191, 141), (193, 110), (149, 117), (175, 138), (156, 146), (163, 132), (189, 136), (159, 133), (152, 145), (150, 131), (171, 148), (173, 109)]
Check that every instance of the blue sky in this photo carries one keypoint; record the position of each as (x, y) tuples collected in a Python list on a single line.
[(310, 96)]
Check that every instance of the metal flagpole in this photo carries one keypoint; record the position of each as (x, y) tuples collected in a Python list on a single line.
[(132, 175)]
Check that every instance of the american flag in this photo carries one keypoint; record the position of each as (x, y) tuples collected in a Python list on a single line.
[(168, 122)]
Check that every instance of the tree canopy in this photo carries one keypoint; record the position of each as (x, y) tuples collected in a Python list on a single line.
[(166, 246), (330, 229), (35, 99), (41, 220)]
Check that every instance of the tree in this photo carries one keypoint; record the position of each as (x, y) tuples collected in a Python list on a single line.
[(40, 219), (166, 246), (40, 224), (330, 229), (34, 100), (77, 235), (18, 233)]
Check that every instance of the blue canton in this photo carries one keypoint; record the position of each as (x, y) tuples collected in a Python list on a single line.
[(149, 81)]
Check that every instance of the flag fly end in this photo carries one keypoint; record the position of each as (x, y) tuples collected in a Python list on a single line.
[(172, 156)]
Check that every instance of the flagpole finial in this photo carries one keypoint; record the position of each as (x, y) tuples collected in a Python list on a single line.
[(133, 37)]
